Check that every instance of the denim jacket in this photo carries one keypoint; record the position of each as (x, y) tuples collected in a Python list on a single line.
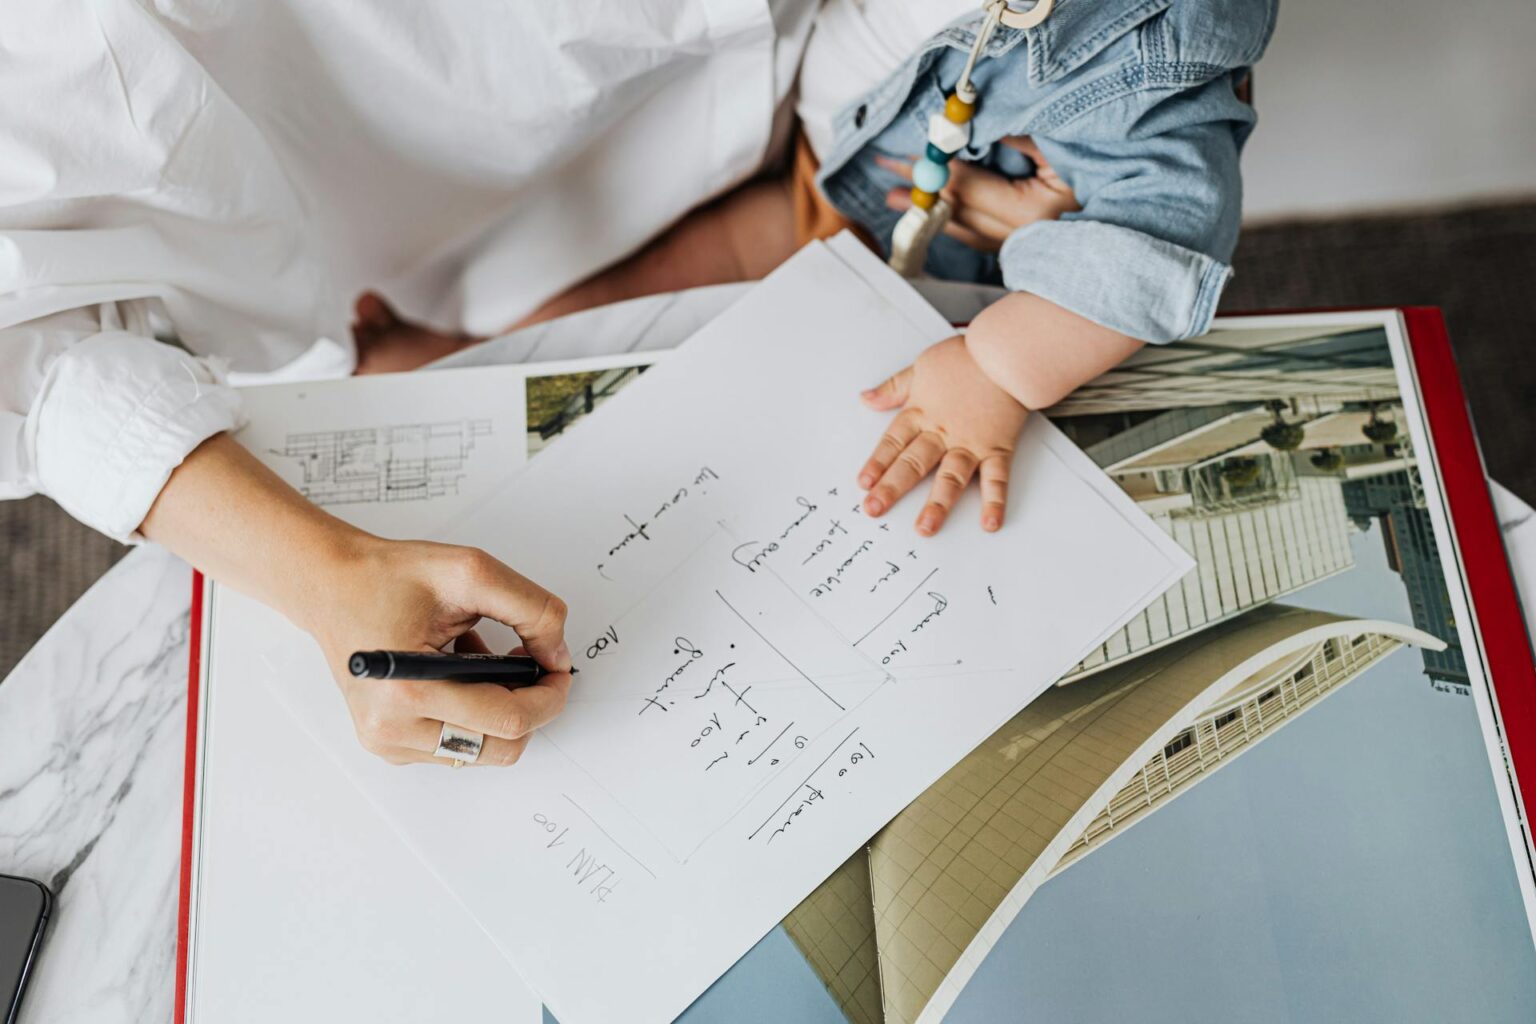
[(1133, 104)]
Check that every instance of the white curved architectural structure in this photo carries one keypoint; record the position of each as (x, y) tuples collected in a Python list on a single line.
[(897, 932)]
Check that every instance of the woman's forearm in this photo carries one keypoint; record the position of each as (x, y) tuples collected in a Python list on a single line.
[(233, 518), (1039, 352)]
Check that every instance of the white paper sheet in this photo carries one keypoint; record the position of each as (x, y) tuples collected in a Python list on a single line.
[(767, 675), (308, 907), (307, 904), (400, 454)]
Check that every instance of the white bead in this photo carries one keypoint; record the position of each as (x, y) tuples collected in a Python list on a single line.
[(914, 232), (948, 136)]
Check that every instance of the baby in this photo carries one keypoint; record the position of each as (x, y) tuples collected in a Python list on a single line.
[(1086, 152), (1134, 104)]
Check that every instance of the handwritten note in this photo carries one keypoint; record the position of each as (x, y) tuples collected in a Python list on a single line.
[(767, 674)]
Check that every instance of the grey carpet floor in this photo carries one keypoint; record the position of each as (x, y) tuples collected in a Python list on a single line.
[(1477, 263)]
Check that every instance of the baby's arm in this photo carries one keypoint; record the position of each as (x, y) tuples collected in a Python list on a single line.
[(1144, 259), (964, 401), (1039, 352)]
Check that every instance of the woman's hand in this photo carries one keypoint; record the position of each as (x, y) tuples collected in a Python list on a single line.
[(953, 419), (417, 596), (233, 518), (988, 206)]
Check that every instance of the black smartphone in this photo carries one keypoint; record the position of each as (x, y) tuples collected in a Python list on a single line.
[(24, 909)]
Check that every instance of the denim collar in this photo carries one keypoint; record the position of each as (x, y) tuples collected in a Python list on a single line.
[(863, 119)]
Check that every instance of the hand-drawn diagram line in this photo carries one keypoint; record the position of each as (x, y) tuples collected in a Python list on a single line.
[(874, 675), (854, 647), (887, 617), (771, 742), (818, 615), (780, 653), (658, 583), (873, 678), (605, 832), (774, 773), (645, 827), (803, 783)]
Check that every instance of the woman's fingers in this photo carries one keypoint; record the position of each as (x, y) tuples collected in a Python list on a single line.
[(407, 719), (905, 472), (987, 206), (494, 752), (486, 586), (1025, 144), (488, 707), (986, 223), (965, 236), (1048, 199), (981, 189), (1043, 170), (470, 643), (424, 735), (901, 168), (994, 491), (895, 439), (960, 223), (955, 472)]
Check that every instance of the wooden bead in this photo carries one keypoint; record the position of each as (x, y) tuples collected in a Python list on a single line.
[(957, 110), (923, 200)]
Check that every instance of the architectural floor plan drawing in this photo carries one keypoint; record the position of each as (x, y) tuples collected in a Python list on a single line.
[(409, 462)]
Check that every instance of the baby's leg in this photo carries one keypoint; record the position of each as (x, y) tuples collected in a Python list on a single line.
[(739, 237)]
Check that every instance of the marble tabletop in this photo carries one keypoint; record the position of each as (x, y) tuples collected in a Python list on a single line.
[(92, 720)]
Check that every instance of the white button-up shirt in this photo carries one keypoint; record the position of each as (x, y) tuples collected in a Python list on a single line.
[(233, 174)]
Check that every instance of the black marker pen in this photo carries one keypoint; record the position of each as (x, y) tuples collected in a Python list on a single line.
[(511, 670)]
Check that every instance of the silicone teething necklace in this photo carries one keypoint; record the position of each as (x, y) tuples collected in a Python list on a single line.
[(948, 133)]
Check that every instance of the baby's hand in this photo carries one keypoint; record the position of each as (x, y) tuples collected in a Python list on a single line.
[(987, 206), (953, 419)]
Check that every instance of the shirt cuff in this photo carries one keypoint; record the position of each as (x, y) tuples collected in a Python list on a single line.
[(1118, 277), (116, 414)]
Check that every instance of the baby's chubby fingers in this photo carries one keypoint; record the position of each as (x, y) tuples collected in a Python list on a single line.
[(955, 472), (994, 491), (893, 442), (914, 462), (890, 393)]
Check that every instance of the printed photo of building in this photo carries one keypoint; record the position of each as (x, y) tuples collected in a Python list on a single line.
[(1269, 456), (558, 400), (901, 927)]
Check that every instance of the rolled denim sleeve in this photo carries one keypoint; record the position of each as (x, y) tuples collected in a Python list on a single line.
[(97, 419), (1148, 253)]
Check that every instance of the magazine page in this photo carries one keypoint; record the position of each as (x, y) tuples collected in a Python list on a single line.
[(1278, 793)]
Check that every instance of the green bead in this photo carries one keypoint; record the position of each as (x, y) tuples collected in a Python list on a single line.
[(937, 155)]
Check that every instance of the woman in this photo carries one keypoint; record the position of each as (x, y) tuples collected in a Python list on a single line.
[(226, 177)]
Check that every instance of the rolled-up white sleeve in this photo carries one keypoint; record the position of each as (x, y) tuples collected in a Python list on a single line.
[(97, 418)]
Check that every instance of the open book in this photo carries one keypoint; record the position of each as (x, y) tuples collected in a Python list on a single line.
[(1275, 452), (1319, 469)]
